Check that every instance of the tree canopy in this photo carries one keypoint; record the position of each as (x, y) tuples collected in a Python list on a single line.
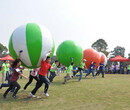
[(118, 51), (101, 46), (3, 50)]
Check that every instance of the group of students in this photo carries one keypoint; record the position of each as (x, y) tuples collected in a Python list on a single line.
[(81, 69), (39, 74)]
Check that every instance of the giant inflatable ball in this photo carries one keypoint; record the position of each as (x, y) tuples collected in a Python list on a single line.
[(103, 58), (91, 55), (34, 40), (67, 50)]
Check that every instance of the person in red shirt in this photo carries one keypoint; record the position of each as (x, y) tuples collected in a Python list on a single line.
[(45, 66), (14, 77)]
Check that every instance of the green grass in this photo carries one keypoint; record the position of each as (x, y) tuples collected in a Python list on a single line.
[(110, 93)]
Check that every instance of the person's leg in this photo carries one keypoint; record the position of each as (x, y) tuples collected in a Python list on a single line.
[(98, 72), (16, 84), (29, 82), (7, 75), (36, 78), (75, 72), (6, 92), (50, 77), (38, 85), (13, 89), (93, 74), (81, 74), (4, 85), (3, 77), (102, 73), (65, 79), (87, 73), (46, 84), (53, 75)]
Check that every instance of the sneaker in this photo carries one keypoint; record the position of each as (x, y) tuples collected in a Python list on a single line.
[(46, 94), (63, 83), (32, 95), (4, 96), (14, 96)]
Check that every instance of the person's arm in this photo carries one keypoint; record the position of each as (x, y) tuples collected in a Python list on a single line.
[(85, 66), (24, 76), (48, 54), (53, 68)]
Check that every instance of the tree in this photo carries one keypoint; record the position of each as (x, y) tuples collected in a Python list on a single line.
[(118, 51), (3, 50), (129, 55), (53, 59), (101, 46)]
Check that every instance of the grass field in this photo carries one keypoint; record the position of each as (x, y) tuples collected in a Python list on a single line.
[(110, 93)]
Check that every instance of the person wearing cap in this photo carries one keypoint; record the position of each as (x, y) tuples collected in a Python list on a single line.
[(81, 69), (91, 69)]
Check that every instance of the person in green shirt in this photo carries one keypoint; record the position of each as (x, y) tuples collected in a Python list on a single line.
[(68, 71), (7, 70), (128, 69), (52, 71), (3, 71), (81, 69)]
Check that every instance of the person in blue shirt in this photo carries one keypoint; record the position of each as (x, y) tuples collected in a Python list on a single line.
[(101, 69), (91, 70)]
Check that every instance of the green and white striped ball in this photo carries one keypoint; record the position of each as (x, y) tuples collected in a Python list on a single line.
[(35, 41)]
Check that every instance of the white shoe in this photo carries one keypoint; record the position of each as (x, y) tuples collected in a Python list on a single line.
[(32, 95), (46, 94)]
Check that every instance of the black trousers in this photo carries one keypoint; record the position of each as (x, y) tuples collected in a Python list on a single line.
[(13, 84), (52, 75), (100, 71), (30, 80), (79, 70), (42, 79)]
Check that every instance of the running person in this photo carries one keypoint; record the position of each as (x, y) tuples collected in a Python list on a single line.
[(91, 70), (14, 78), (33, 75), (52, 71), (45, 66), (68, 71), (3, 71), (100, 70), (81, 69)]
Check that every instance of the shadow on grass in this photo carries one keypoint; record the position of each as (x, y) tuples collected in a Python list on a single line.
[(21, 98)]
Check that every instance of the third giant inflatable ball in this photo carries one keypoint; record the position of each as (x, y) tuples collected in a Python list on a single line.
[(34, 40), (91, 55), (68, 49)]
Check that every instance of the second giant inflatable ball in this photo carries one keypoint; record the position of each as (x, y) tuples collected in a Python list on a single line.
[(91, 55), (67, 50), (34, 40), (102, 57)]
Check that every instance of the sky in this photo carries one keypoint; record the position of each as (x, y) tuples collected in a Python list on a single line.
[(83, 21)]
